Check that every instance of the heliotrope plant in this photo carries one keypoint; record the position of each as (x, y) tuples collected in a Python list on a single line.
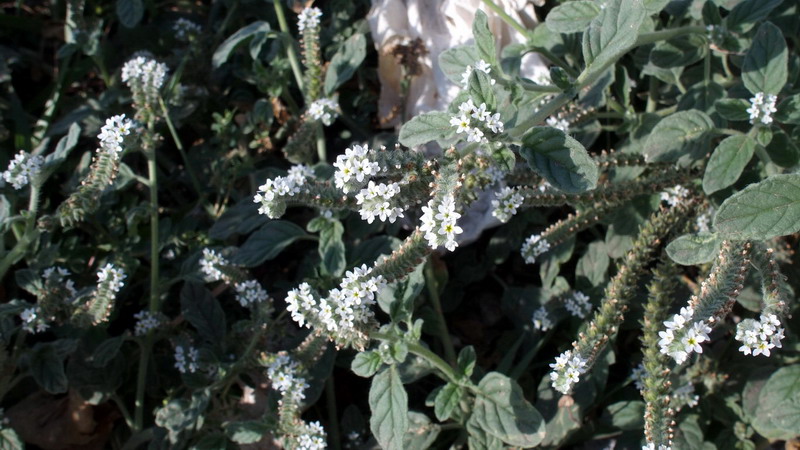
[(660, 315)]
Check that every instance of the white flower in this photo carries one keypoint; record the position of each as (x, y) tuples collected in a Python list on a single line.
[(480, 113), (684, 396), (56, 277), (186, 360), (481, 65), (758, 337), (439, 223), (505, 204), (761, 108), (462, 123), (145, 322), (209, 265), (324, 109), (637, 375), (376, 201), (476, 121), (144, 77), (308, 19), (474, 135), (354, 168), (312, 437), (533, 247), (541, 320), (559, 123), (567, 371), (23, 169), (113, 133), (494, 123), (110, 277), (578, 304), (184, 29), (269, 194), (250, 292), (674, 194)]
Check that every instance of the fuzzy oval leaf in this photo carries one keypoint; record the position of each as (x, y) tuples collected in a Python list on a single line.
[(247, 432), (765, 67), (345, 62), (224, 50), (421, 432), (204, 312), (454, 61), (788, 110), (679, 52), (748, 13), (612, 33), (733, 108), (762, 210), (366, 364), (560, 159), (425, 128), (484, 40), (130, 12), (481, 91), (782, 150), (727, 162), (503, 412), (388, 402), (572, 17), (778, 409), (693, 249), (677, 135), (446, 401), (267, 242)]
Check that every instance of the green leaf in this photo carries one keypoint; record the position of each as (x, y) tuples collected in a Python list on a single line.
[(679, 52), (748, 13), (782, 150), (345, 62), (331, 246), (572, 17), (106, 351), (267, 243), (9, 440), (728, 162), (421, 432), (654, 6), (366, 364), (454, 61), (611, 34), (427, 127), (466, 360), (693, 249), (678, 135), (762, 210), (397, 299), (241, 218), (788, 110), (204, 312), (733, 108), (626, 415), (560, 159), (446, 401), (388, 402), (248, 432), (46, 362), (484, 40), (778, 410), (502, 411), (224, 50), (765, 67), (481, 91), (594, 264), (59, 155), (130, 12)]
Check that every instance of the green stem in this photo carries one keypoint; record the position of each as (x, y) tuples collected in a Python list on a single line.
[(652, 95), (141, 379), (506, 18), (444, 333), (555, 59), (449, 374), (333, 418), (728, 131), (19, 249), (153, 178), (537, 118), (665, 35), (179, 145), (321, 150), (291, 50), (122, 409)]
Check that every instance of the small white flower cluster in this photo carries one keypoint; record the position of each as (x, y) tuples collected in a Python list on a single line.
[(282, 372), (376, 201), (22, 169), (209, 265), (184, 29), (308, 18), (113, 133), (58, 275), (481, 65), (505, 204), (683, 335), (761, 108), (313, 437), (637, 375), (475, 120), (145, 77), (567, 370), (758, 337), (534, 247), (111, 277), (558, 123), (674, 194), (703, 221), (652, 446), (354, 168), (186, 360), (324, 109), (250, 292), (146, 322), (439, 223), (346, 306), (270, 192), (541, 319), (684, 396), (32, 322), (578, 304)]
